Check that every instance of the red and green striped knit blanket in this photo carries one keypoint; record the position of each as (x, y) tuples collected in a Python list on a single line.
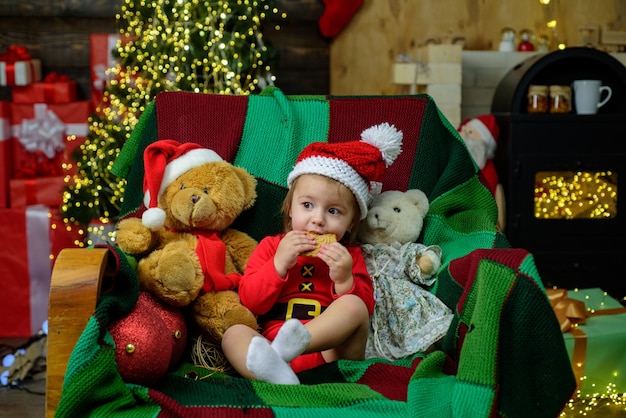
[(503, 355)]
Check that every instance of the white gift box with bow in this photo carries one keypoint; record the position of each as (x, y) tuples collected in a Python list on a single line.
[(50, 130), (46, 132)]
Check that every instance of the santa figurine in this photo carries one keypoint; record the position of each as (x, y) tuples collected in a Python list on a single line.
[(481, 135)]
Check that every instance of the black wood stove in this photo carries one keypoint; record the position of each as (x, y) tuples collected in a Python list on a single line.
[(564, 175)]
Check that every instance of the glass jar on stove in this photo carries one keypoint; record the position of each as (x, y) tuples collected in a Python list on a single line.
[(537, 99), (560, 99)]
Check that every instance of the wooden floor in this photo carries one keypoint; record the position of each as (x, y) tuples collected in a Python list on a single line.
[(23, 400)]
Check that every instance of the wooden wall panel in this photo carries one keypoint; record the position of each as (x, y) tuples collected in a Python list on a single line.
[(362, 55), (358, 61), (304, 55), (57, 32), (62, 44), (73, 8)]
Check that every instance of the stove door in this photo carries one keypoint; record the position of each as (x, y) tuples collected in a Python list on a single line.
[(569, 215)]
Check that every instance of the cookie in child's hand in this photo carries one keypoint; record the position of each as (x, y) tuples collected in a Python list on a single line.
[(321, 239)]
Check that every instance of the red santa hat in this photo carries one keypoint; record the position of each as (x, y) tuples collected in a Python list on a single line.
[(164, 161), (488, 130), (359, 165)]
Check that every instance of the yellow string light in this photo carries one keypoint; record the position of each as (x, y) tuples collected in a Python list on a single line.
[(552, 25), (608, 402), (576, 195)]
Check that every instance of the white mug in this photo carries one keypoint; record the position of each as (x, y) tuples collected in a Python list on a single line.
[(587, 95)]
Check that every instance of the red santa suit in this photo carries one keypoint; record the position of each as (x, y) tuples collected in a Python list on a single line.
[(304, 293)]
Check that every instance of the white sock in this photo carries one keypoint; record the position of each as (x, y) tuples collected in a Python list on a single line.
[(267, 365), (291, 340)]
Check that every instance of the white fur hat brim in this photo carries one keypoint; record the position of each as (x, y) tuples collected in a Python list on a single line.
[(181, 165), (338, 170)]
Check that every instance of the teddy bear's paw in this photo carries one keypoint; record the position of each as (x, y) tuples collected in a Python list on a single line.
[(429, 263), (239, 315), (133, 237), (215, 312), (426, 264), (172, 274)]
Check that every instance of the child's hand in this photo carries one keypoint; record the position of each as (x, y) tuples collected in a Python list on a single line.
[(339, 262), (289, 248)]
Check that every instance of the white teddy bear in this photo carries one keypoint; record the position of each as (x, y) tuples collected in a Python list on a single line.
[(407, 317)]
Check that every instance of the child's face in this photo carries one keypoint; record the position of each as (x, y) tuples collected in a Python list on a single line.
[(322, 205)]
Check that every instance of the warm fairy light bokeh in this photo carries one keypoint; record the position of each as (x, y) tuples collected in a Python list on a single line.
[(607, 402), (200, 46), (576, 195), (551, 24), (604, 399)]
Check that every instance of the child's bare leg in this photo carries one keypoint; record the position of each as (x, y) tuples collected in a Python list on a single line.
[(235, 343), (341, 330)]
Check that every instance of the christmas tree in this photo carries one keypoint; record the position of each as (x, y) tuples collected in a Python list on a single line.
[(190, 45)]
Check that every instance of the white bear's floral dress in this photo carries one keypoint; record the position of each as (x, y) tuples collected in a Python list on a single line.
[(407, 318)]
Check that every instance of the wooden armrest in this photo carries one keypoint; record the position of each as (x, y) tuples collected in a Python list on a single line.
[(74, 292)]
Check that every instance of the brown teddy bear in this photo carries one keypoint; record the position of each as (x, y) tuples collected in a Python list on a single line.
[(188, 254)]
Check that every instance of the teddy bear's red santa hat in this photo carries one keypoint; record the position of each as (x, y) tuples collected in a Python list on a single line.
[(164, 161)]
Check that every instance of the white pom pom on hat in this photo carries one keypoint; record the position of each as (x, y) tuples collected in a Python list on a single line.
[(357, 164), (164, 161)]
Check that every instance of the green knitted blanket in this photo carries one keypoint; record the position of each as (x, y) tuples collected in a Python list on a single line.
[(503, 355)]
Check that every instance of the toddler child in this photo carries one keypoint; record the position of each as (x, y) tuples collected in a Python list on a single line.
[(313, 309)]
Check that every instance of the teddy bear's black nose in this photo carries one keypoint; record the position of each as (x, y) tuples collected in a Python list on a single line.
[(194, 198)]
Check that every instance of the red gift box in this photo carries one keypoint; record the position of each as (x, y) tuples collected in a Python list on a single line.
[(31, 240), (38, 190), (55, 88), (45, 137), (17, 68), (101, 59), (6, 153)]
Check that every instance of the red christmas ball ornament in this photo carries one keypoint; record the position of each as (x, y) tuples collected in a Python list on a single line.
[(176, 326), (149, 341)]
